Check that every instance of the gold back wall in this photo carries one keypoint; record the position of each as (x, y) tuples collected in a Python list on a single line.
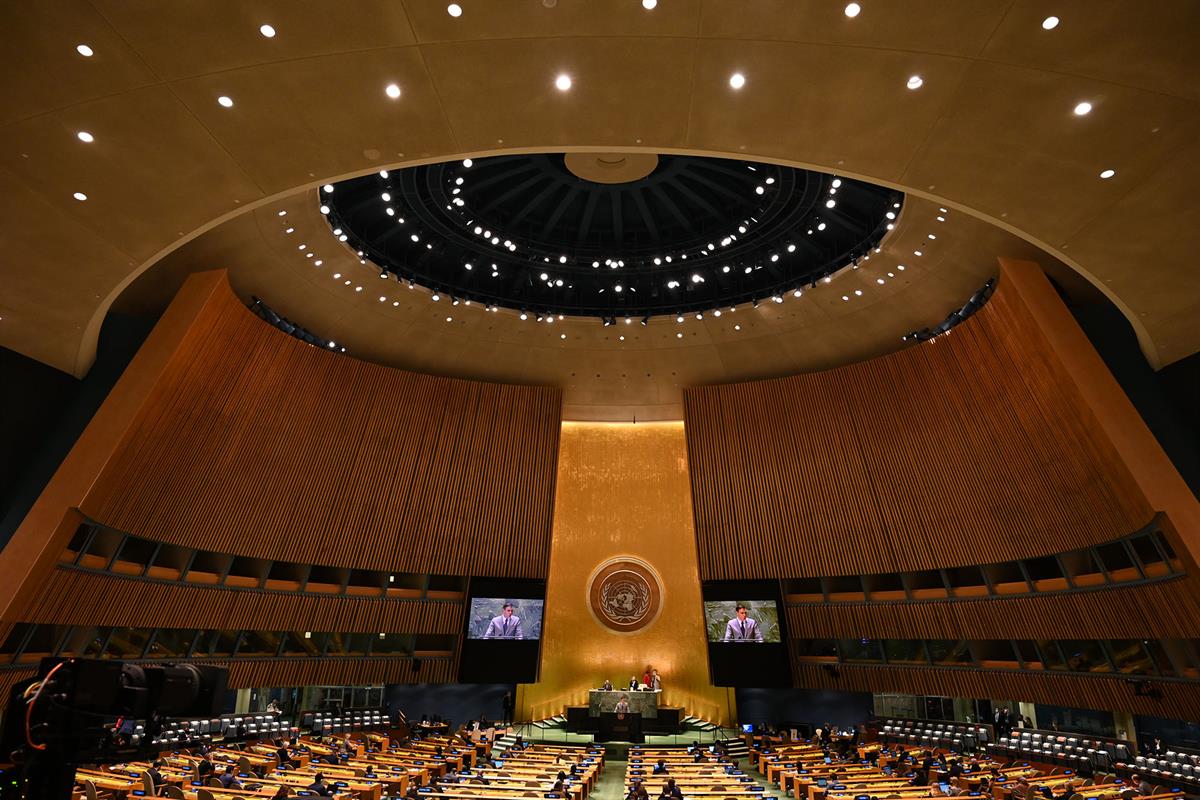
[(623, 491)]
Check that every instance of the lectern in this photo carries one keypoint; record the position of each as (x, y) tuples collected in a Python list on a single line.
[(620, 727)]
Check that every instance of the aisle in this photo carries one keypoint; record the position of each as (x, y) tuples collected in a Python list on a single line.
[(611, 785)]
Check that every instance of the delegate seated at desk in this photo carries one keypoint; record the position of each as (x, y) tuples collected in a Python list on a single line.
[(743, 628)]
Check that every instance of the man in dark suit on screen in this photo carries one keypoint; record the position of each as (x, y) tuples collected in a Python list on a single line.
[(742, 628)]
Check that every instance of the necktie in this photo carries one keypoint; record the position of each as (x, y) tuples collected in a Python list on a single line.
[(743, 629), (506, 624)]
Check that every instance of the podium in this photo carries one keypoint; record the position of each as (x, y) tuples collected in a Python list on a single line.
[(626, 727)]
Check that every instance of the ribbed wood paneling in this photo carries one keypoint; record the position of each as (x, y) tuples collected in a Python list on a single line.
[(305, 672), (337, 672), (971, 448), (1162, 611), (1180, 701), (72, 597), (255, 443)]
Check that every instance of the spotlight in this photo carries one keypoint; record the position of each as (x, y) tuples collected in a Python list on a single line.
[(646, 320)]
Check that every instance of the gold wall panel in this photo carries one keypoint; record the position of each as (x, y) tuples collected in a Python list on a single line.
[(623, 491)]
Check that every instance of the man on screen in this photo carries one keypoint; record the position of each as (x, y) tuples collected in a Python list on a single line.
[(742, 628), (505, 626)]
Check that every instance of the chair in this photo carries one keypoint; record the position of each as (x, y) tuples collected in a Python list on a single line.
[(148, 784), (89, 791), (174, 792), (215, 783), (204, 794), (244, 765)]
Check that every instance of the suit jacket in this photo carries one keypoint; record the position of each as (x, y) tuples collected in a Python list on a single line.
[(502, 628), (734, 631)]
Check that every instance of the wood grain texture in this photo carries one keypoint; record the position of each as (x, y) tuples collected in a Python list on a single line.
[(971, 448), (1179, 701), (73, 597), (1118, 612), (257, 444), (306, 672)]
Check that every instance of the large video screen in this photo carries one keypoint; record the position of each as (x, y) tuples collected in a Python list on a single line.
[(742, 621), (502, 631), (747, 635), (511, 618)]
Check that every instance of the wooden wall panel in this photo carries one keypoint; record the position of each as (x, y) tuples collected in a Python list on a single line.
[(1128, 612), (73, 597), (255, 443), (1179, 701), (305, 672), (974, 447)]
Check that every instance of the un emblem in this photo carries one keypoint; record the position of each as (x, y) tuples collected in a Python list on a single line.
[(625, 594)]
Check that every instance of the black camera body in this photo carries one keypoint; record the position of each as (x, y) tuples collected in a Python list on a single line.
[(83, 711)]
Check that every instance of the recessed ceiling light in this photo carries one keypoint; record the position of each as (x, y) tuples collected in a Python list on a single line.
[(858, 292), (837, 183), (563, 82), (830, 203), (80, 196), (649, 5), (737, 80), (324, 209), (392, 91), (562, 336), (84, 50), (225, 101), (267, 31), (1108, 173), (454, 10), (327, 188), (915, 82), (84, 136), (1083, 108), (282, 212), (679, 336), (853, 10), (879, 280), (467, 163), (1050, 23)]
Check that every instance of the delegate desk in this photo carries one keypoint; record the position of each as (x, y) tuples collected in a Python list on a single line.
[(644, 703)]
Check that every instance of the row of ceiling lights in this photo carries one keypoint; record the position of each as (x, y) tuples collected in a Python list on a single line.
[(852, 10), (435, 296), (563, 82), (554, 282)]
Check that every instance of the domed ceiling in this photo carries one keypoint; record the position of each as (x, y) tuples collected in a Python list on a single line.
[(531, 233)]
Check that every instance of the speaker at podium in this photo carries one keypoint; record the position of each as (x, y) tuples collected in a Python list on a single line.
[(618, 726)]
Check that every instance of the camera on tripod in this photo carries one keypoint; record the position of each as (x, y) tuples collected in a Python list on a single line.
[(89, 711)]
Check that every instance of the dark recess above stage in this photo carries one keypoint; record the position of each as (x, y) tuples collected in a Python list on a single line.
[(694, 234)]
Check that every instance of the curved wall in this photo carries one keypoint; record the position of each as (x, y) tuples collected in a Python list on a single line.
[(258, 444), (307, 482), (973, 447)]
